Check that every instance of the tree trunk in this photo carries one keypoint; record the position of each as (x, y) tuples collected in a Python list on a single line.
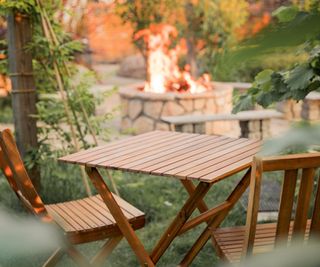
[(190, 39), (23, 87), (192, 57)]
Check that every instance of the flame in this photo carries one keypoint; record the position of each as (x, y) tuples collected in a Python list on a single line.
[(163, 73)]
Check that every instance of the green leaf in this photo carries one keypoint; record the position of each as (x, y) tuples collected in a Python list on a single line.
[(286, 13), (299, 77), (245, 103), (265, 99), (301, 136), (263, 80), (263, 76), (278, 83)]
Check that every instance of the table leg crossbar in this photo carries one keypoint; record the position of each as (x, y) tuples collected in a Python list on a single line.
[(181, 224), (216, 219), (176, 225)]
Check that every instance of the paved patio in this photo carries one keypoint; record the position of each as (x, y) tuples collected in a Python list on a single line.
[(108, 80)]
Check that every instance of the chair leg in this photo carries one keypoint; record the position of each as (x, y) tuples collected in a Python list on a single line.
[(125, 227), (105, 251), (54, 258), (77, 257)]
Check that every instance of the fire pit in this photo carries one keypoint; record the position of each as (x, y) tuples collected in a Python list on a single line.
[(170, 90), (141, 111)]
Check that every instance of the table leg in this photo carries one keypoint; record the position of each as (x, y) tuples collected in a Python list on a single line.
[(184, 214), (217, 220), (190, 187), (118, 215)]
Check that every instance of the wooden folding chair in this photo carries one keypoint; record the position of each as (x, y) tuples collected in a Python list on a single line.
[(81, 221), (235, 243)]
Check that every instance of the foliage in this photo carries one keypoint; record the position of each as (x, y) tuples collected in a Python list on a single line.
[(219, 22), (294, 255), (296, 31), (6, 110), (208, 25), (246, 71), (302, 137), (51, 114), (142, 13), (305, 5), (3, 61), (60, 182), (22, 6), (36, 236)]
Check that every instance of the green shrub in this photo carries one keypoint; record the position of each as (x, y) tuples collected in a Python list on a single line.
[(6, 115), (246, 72)]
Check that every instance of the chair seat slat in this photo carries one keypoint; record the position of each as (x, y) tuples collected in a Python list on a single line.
[(67, 214), (231, 240)]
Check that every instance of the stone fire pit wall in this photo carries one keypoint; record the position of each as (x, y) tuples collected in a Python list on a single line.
[(141, 111)]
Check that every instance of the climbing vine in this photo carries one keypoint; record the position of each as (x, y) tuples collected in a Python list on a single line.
[(46, 54), (65, 106)]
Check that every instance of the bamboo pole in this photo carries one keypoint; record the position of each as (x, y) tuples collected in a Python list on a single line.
[(54, 40), (63, 95)]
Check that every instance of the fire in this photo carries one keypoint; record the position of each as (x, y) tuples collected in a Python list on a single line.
[(163, 73)]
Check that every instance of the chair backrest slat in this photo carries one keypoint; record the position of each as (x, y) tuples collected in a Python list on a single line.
[(290, 164), (286, 204), (315, 223), (22, 181), (305, 193), (254, 201)]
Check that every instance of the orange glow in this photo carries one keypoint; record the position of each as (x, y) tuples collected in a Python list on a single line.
[(5, 84), (47, 219), (264, 22), (254, 26), (163, 71), (7, 171)]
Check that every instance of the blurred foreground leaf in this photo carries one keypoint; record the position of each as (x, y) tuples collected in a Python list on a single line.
[(295, 30), (303, 28), (22, 236), (286, 13), (294, 256), (300, 138)]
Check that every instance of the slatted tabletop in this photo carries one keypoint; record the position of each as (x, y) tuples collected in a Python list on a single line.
[(182, 155)]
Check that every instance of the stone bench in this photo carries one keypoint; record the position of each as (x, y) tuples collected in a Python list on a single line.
[(253, 123), (308, 109)]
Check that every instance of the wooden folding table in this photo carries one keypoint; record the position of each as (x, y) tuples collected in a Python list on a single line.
[(198, 161)]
